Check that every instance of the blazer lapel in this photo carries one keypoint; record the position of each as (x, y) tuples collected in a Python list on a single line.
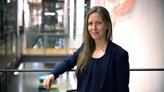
[(105, 65)]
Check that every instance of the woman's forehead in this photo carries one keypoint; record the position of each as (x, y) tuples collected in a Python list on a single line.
[(94, 16)]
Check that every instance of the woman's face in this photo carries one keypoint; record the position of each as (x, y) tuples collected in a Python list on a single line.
[(97, 27)]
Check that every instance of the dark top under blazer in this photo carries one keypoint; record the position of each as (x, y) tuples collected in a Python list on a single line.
[(114, 75)]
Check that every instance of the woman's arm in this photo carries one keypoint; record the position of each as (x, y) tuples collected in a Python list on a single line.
[(122, 72), (66, 64)]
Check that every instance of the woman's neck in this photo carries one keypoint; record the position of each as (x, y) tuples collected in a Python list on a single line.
[(100, 49), (100, 45)]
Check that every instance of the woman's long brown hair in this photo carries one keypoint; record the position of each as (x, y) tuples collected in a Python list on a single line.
[(89, 44)]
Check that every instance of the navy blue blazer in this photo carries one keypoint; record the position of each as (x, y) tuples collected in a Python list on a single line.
[(114, 75)]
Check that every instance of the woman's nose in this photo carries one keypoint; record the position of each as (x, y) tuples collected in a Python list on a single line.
[(94, 26)]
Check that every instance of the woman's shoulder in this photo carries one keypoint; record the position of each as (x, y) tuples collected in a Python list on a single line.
[(79, 49), (117, 49)]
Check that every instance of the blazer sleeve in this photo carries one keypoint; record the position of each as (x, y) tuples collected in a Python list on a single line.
[(122, 72), (66, 64)]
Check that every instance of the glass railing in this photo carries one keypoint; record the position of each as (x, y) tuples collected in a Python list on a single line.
[(30, 76), (31, 80), (48, 43), (10, 49)]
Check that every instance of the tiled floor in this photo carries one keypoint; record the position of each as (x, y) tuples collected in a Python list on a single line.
[(29, 81)]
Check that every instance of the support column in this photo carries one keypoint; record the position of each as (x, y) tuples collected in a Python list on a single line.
[(80, 10)]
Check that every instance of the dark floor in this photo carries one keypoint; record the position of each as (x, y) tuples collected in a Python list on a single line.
[(29, 81)]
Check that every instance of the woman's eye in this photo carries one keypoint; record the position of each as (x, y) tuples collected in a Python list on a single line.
[(90, 23), (98, 23)]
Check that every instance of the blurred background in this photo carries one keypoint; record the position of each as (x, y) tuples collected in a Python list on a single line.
[(36, 35)]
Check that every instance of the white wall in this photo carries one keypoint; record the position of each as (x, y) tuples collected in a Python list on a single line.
[(141, 33)]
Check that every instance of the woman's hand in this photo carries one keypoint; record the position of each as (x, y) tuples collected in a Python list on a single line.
[(48, 81)]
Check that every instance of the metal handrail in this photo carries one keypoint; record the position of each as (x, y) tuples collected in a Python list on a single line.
[(48, 70), (7, 32), (24, 70), (148, 69)]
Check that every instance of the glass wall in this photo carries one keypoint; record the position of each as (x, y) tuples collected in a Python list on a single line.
[(39, 27), (9, 47), (48, 30), (44, 29)]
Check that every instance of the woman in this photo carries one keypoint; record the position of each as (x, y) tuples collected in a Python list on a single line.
[(102, 66)]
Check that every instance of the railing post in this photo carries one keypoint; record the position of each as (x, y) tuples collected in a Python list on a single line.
[(45, 42), (6, 82)]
